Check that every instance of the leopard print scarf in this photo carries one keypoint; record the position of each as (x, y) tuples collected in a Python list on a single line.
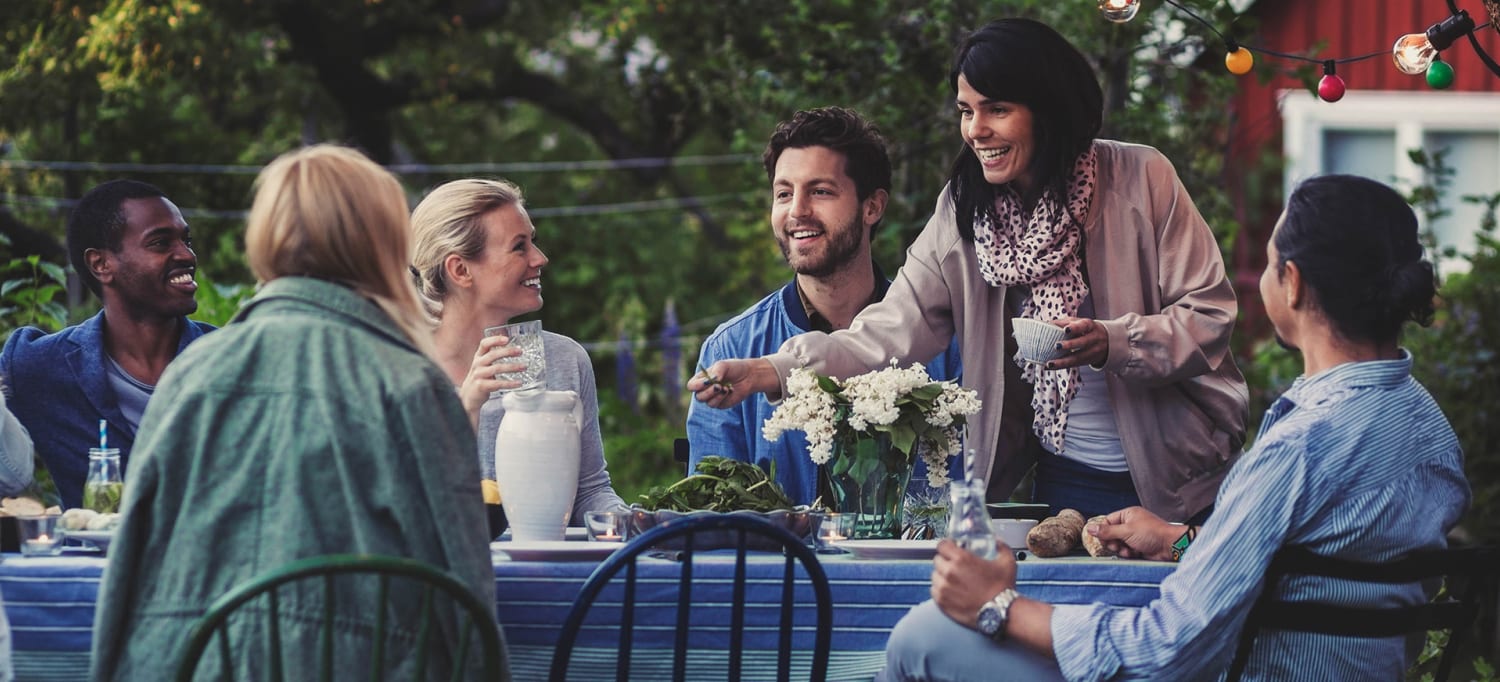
[(1041, 251)]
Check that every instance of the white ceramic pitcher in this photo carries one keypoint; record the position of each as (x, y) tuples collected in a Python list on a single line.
[(536, 462)]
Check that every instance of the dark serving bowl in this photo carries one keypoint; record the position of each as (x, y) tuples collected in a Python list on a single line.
[(801, 522)]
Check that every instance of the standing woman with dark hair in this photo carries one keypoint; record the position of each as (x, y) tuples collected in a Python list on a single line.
[(1041, 220)]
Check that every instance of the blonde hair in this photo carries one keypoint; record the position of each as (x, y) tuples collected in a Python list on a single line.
[(328, 212), (448, 221)]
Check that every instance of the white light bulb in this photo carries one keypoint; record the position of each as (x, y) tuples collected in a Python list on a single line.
[(1119, 11), (1413, 53)]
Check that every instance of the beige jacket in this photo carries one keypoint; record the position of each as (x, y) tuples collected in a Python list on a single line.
[(1159, 289)]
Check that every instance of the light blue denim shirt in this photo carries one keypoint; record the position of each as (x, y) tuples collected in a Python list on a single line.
[(1356, 462)]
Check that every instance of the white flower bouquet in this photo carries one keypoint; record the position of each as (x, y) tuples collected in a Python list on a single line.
[(905, 405)]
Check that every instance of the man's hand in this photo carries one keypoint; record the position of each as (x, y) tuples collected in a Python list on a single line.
[(1135, 533), (1085, 342), (726, 383), (963, 582)]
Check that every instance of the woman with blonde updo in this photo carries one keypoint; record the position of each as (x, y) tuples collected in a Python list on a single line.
[(314, 423), (478, 264)]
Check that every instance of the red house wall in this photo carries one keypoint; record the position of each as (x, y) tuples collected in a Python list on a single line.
[(1345, 28)]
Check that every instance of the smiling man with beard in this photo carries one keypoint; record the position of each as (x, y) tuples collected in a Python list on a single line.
[(133, 249), (830, 180)]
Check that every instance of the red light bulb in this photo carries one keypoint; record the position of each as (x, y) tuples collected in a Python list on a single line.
[(1331, 88)]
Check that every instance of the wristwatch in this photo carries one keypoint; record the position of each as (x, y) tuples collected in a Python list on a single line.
[(995, 613)]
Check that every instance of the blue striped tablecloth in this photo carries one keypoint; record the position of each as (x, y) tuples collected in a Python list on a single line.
[(50, 604)]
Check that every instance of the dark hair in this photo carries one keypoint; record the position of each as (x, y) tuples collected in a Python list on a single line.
[(1355, 242), (98, 222), (842, 130), (1026, 62)]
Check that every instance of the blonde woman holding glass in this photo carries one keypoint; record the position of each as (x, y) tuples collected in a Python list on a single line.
[(478, 266)]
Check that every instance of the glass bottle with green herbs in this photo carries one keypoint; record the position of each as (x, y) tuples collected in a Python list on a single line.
[(104, 485)]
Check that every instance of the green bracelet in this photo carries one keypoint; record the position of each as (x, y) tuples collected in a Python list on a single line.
[(1181, 545)]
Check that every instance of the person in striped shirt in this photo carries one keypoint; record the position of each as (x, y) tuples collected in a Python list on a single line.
[(1354, 461)]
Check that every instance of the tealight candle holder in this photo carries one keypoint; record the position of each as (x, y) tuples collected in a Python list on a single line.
[(606, 526), (833, 528), (39, 536)]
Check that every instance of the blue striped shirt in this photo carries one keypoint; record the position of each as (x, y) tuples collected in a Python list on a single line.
[(1356, 462)]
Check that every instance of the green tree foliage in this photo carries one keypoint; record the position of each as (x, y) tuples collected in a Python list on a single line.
[(416, 82)]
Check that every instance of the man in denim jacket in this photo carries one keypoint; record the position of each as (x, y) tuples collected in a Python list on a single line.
[(133, 249)]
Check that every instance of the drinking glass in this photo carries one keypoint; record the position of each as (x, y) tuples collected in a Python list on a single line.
[(103, 486), (606, 526), (833, 528), (39, 535), (528, 337), (969, 520)]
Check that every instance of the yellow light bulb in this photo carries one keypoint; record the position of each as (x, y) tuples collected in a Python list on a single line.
[(1413, 53), (1119, 11), (1239, 62)]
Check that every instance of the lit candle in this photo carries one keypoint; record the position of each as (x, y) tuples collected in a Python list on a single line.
[(830, 528), (41, 544), (609, 534)]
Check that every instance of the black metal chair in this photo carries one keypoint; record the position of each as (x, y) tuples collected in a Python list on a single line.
[(1470, 572), (328, 568), (689, 531)]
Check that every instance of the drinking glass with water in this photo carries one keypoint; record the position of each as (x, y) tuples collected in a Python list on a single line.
[(528, 337)]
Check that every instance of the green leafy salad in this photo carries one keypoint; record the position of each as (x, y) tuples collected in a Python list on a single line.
[(721, 485)]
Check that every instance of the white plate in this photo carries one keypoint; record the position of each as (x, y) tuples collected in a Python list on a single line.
[(97, 538), (556, 550), (890, 549), (569, 533)]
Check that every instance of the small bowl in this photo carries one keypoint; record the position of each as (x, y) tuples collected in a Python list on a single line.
[(1012, 531), (801, 522), (1037, 341)]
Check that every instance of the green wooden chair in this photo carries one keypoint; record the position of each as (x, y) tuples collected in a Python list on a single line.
[(329, 568)]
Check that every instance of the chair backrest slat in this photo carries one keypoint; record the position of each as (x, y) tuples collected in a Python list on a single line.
[(463, 653), (689, 531), (377, 652), (684, 610), (737, 609), (784, 646), (1477, 567), (477, 614), (325, 645), (424, 632), (273, 637), (228, 674), (627, 625)]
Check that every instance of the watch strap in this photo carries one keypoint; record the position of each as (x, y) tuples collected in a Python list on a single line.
[(1002, 604), (1179, 547)]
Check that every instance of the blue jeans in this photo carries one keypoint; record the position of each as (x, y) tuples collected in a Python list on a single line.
[(1062, 483), (928, 646)]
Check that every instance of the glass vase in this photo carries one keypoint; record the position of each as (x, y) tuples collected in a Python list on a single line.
[(867, 476)]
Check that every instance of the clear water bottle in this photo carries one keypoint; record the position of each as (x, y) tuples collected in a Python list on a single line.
[(969, 520), (103, 486)]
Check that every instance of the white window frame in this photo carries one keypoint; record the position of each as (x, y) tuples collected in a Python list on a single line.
[(1411, 114)]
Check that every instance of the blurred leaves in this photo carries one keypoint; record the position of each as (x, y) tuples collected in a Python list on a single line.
[(28, 295), (501, 81)]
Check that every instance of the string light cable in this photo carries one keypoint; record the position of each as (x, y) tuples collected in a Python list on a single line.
[(1414, 53), (672, 203), (400, 168)]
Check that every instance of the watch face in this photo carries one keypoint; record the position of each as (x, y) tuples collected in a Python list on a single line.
[(989, 619)]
